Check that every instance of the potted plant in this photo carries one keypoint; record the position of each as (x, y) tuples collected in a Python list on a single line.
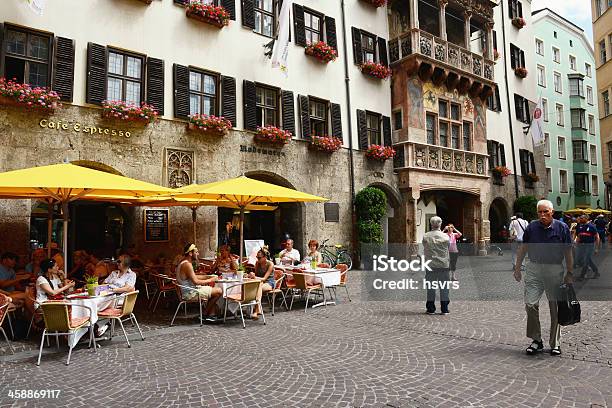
[(519, 22), (209, 124), (91, 283), (16, 94), (376, 3), (273, 135), (120, 110), (321, 51), (380, 153), (376, 70), (328, 144), (208, 13), (499, 173), (520, 72)]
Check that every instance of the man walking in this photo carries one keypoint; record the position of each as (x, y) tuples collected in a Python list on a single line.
[(548, 243), (587, 242), (435, 248), (601, 223), (517, 229)]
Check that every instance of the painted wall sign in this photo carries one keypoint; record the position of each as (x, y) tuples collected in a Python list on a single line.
[(79, 127), (262, 150)]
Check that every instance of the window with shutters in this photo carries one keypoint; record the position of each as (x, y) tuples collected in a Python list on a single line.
[(467, 136), (313, 26), (368, 47), (179, 168), (517, 57), (318, 117), (494, 101), (581, 182), (515, 9), (521, 106), (203, 92), (125, 77), (27, 56), (561, 149), (563, 181), (578, 119), (265, 18), (373, 128), (430, 122), (527, 162), (267, 106), (496, 153)]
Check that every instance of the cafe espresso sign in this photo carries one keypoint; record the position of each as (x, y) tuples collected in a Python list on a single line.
[(70, 126)]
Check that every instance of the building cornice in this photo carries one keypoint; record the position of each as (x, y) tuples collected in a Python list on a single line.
[(563, 22)]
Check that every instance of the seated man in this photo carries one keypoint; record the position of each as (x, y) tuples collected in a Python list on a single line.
[(191, 285), (9, 284), (122, 280), (289, 255)]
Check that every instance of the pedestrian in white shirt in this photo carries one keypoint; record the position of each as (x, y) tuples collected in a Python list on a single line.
[(289, 255), (517, 228)]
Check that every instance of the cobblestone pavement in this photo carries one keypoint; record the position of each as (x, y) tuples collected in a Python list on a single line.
[(355, 354)]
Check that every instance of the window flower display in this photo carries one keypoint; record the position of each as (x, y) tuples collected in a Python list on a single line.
[(273, 135), (15, 93), (519, 22), (208, 13), (376, 70), (129, 112), (321, 51), (381, 153), (209, 124), (327, 144)]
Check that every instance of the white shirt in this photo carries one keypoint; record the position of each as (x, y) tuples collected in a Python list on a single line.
[(293, 254), (519, 226), (115, 281), (41, 295)]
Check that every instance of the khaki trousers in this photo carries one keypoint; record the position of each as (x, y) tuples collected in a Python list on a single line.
[(539, 279)]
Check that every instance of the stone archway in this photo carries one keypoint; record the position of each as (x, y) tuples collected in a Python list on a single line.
[(394, 226), (499, 217)]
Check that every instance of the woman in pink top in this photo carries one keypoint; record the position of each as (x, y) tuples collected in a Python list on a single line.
[(453, 235)]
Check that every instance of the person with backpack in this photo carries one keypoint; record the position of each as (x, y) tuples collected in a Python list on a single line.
[(517, 228)]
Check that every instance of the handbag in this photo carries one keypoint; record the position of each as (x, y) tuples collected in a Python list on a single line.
[(568, 306)]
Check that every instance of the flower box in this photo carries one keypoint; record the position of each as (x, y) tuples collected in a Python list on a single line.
[(520, 72), (501, 171), (321, 51), (380, 153), (273, 135), (208, 13), (519, 22), (532, 178), (16, 94), (328, 144), (209, 124), (376, 70), (120, 110), (376, 3)]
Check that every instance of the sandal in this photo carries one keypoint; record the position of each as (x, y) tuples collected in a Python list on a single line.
[(535, 347), (556, 351)]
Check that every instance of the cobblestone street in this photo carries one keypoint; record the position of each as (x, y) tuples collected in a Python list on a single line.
[(355, 354)]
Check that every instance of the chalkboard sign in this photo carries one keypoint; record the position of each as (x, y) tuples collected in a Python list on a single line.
[(156, 225)]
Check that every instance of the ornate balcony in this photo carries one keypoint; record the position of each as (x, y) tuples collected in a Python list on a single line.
[(440, 159)]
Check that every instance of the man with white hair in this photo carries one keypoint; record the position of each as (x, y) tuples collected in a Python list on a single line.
[(435, 248), (548, 242), (289, 255)]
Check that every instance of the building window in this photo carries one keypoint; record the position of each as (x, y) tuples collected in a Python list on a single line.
[(202, 93), (594, 185), (591, 124), (267, 106), (572, 61), (576, 87), (605, 96), (455, 136), (578, 119), (27, 57), (589, 95), (558, 83), (443, 109), (455, 111), (541, 76), (581, 182), (264, 17), (593, 153), (539, 47), (318, 117), (545, 109), (521, 106), (556, 55), (368, 47), (397, 120), (580, 150), (467, 136), (603, 56), (549, 178), (493, 101), (125, 79), (563, 181), (496, 153), (517, 57), (560, 120), (609, 154), (179, 168), (587, 68), (571, 43), (516, 8), (527, 162), (546, 144), (313, 26), (431, 128), (561, 150), (373, 128), (443, 134)]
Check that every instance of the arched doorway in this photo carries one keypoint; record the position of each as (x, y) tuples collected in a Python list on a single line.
[(499, 219), (394, 230)]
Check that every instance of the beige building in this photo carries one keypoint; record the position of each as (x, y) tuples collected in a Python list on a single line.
[(602, 39)]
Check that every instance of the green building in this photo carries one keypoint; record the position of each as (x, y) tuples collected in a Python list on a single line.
[(565, 76)]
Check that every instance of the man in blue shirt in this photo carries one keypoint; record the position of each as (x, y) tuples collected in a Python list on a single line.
[(601, 223), (9, 284), (587, 242), (548, 243)]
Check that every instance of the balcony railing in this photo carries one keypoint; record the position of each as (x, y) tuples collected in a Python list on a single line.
[(445, 160), (428, 45)]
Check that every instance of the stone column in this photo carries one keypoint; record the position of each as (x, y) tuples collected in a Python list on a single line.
[(489, 51), (443, 4), (414, 13), (468, 16)]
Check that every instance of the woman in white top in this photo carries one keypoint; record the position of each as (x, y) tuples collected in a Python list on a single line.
[(50, 282)]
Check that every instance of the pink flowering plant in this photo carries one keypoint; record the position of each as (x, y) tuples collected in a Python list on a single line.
[(129, 112), (321, 51), (216, 15), (327, 144), (23, 94), (381, 153), (272, 134), (210, 124), (376, 70), (501, 171), (376, 3)]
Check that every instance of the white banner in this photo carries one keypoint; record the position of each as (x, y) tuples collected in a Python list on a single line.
[(537, 125), (280, 52), (37, 6)]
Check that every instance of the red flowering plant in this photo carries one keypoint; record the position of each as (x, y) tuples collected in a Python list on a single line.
[(532, 178), (321, 51), (501, 171), (376, 70), (381, 153), (15, 93), (376, 3), (209, 124), (272, 134), (209, 13), (327, 144), (520, 72), (129, 112), (519, 22)]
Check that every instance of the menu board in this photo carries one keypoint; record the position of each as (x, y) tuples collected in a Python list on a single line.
[(156, 225)]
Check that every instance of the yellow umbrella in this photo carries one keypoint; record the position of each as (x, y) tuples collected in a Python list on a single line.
[(244, 191), (68, 182)]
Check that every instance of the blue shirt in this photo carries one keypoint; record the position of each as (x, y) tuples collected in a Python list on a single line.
[(586, 233), (547, 244), (7, 274), (600, 223)]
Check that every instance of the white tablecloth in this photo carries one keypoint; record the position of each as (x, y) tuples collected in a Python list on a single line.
[(224, 285), (325, 276), (96, 304)]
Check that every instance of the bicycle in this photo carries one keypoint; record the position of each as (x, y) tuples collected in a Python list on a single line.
[(335, 254)]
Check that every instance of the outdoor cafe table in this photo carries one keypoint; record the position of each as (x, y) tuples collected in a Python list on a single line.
[(327, 277), (95, 303)]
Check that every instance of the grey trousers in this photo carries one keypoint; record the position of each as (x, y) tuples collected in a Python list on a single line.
[(540, 279)]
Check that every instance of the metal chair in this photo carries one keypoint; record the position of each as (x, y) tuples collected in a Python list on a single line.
[(275, 291), (164, 285), (304, 288), (182, 301), (343, 280), (126, 312), (4, 305), (246, 297)]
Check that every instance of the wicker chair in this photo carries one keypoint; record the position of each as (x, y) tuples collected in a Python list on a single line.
[(37, 311), (182, 301), (246, 297), (4, 305), (58, 320), (126, 312), (302, 286)]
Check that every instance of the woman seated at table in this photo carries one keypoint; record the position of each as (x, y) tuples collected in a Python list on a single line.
[(313, 253), (264, 271), (34, 266), (123, 279), (52, 281), (224, 263)]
